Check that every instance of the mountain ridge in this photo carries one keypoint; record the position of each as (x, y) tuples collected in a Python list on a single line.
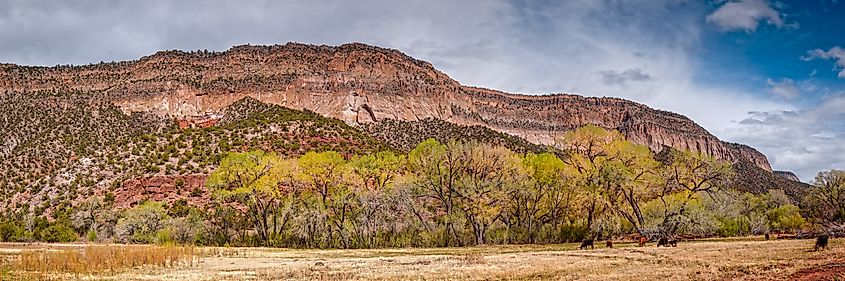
[(360, 84)]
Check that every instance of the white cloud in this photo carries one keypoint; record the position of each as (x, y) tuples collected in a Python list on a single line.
[(785, 88), (622, 78), (805, 141), (580, 47), (744, 15), (836, 53), (646, 49)]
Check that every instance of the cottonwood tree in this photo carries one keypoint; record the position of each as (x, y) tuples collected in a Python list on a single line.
[(323, 173), (689, 173), (141, 223), (630, 174), (785, 218), (260, 182), (371, 177), (223, 223), (826, 199), (376, 171), (87, 218), (437, 168), (590, 152), (490, 173), (543, 197)]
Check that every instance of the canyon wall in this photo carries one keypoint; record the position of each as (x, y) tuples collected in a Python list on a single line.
[(358, 84)]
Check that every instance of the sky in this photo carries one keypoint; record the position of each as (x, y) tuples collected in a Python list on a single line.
[(770, 74)]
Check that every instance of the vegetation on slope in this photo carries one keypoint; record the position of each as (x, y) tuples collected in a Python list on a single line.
[(61, 148), (448, 194), (284, 177), (405, 135)]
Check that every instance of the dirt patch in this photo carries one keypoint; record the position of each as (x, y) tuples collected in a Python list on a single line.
[(730, 259), (830, 271)]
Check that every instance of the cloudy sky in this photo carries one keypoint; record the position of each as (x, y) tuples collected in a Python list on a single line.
[(767, 73)]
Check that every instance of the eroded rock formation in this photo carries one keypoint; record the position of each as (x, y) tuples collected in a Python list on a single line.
[(162, 189), (359, 84)]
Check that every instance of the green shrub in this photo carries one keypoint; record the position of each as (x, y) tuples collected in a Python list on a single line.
[(734, 227), (92, 235), (569, 232), (164, 237), (141, 223), (196, 192), (179, 208), (11, 232), (58, 233), (785, 218)]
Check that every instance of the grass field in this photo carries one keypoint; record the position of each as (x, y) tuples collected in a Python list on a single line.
[(735, 259)]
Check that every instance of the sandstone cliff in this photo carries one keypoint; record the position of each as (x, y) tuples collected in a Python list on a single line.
[(162, 189), (358, 84)]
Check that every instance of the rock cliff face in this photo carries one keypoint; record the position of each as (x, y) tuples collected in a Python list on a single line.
[(787, 175), (359, 84), (162, 189)]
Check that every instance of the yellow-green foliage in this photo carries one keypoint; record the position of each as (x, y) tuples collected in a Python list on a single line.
[(786, 218), (376, 170), (459, 193), (241, 174), (256, 180), (142, 223)]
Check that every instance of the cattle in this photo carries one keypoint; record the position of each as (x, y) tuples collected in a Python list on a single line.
[(586, 243), (666, 242), (821, 242), (609, 243), (643, 240)]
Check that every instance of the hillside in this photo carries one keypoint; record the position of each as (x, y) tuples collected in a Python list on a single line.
[(152, 111), (405, 135), (359, 84), (71, 147)]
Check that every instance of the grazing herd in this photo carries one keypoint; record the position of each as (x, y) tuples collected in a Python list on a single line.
[(667, 241)]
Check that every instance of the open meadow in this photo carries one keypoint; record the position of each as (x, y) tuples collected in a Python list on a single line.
[(737, 259)]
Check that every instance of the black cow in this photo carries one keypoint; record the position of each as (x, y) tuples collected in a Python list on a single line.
[(821, 242), (666, 242), (587, 242)]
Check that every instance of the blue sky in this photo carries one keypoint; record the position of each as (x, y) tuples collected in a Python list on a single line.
[(762, 72), (789, 58), (751, 57)]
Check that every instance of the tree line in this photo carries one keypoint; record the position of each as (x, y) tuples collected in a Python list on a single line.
[(597, 185)]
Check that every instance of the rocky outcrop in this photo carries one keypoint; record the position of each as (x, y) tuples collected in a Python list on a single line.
[(787, 175), (162, 189), (544, 119), (359, 84), (750, 178), (197, 121)]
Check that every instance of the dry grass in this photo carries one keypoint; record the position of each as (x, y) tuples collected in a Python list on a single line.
[(705, 260), (76, 261)]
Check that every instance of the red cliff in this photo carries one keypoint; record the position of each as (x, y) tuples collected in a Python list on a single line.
[(359, 84)]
